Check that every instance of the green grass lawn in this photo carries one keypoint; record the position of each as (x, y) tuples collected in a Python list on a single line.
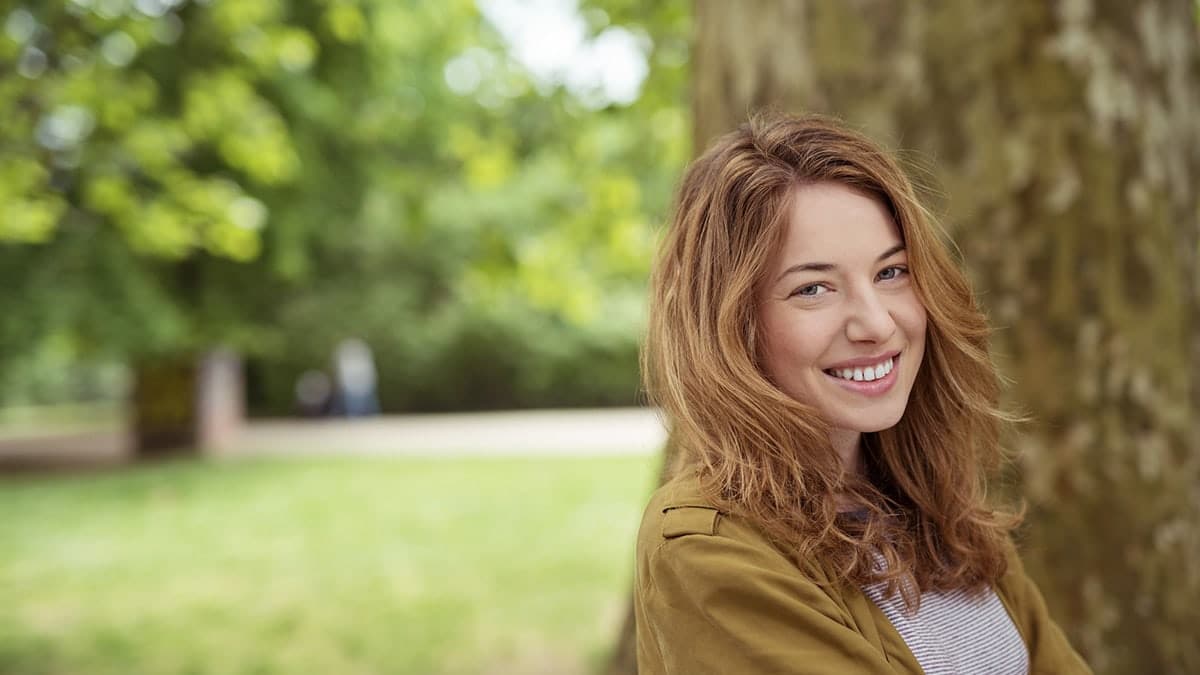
[(319, 566)]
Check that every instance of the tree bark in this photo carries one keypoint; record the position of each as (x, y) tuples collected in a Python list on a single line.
[(1064, 141)]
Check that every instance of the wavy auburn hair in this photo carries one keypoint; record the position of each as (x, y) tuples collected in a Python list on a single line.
[(767, 457)]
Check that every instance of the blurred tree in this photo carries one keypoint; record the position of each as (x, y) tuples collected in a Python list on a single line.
[(278, 176), (150, 144), (1066, 137), (507, 228)]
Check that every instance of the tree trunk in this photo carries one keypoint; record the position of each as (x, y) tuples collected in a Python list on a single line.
[(1066, 140), (186, 404), (164, 404)]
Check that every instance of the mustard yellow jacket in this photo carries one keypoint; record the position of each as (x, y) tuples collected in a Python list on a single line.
[(712, 595)]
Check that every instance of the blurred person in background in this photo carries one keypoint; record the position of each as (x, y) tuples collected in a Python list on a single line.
[(354, 372), (826, 371), (314, 393)]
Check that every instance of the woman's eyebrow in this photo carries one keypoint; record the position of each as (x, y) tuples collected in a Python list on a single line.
[(890, 252), (825, 267)]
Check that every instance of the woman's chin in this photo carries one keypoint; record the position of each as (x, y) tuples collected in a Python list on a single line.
[(868, 424)]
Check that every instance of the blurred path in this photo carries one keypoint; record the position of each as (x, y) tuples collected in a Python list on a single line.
[(97, 448), (533, 433), (526, 433)]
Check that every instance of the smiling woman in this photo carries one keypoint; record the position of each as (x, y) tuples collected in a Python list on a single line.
[(826, 372)]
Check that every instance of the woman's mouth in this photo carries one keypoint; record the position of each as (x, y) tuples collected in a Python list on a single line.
[(873, 379), (864, 373)]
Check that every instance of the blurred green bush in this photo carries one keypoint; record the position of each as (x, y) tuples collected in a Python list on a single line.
[(472, 359)]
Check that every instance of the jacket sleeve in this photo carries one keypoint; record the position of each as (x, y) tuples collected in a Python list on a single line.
[(713, 604), (1049, 650)]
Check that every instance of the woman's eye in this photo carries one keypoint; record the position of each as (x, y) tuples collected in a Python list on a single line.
[(810, 290), (893, 272)]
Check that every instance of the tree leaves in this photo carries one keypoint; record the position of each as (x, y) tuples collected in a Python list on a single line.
[(251, 167)]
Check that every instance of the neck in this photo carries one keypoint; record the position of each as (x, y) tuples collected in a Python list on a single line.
[(848, 445)]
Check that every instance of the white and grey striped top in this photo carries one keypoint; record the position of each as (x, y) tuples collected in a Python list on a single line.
[(957, 633)]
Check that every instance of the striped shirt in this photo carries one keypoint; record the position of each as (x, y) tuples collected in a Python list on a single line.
[(957, 632)]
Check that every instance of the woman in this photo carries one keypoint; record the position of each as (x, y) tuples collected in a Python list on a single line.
[(826, 372)]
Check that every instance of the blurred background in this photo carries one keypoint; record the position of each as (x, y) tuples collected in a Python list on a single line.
[(319, 318)]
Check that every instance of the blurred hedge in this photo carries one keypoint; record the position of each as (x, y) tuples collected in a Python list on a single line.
[(474, 360)]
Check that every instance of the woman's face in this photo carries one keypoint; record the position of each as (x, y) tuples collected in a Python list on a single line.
[(843, 328)]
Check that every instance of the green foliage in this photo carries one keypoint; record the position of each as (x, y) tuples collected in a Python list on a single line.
[(363, 566), (121, 124), (281, 175), (156, 143)]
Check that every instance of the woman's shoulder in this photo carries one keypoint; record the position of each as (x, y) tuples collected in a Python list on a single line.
[(679, 508), (714, 587), (683, 492), (686, 527)]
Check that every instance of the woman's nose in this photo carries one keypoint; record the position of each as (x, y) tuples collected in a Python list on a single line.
[(869, 320)]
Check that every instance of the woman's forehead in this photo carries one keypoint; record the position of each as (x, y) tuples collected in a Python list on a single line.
[(830, 220)]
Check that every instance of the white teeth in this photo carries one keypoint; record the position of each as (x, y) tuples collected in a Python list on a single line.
[(868, 374)]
